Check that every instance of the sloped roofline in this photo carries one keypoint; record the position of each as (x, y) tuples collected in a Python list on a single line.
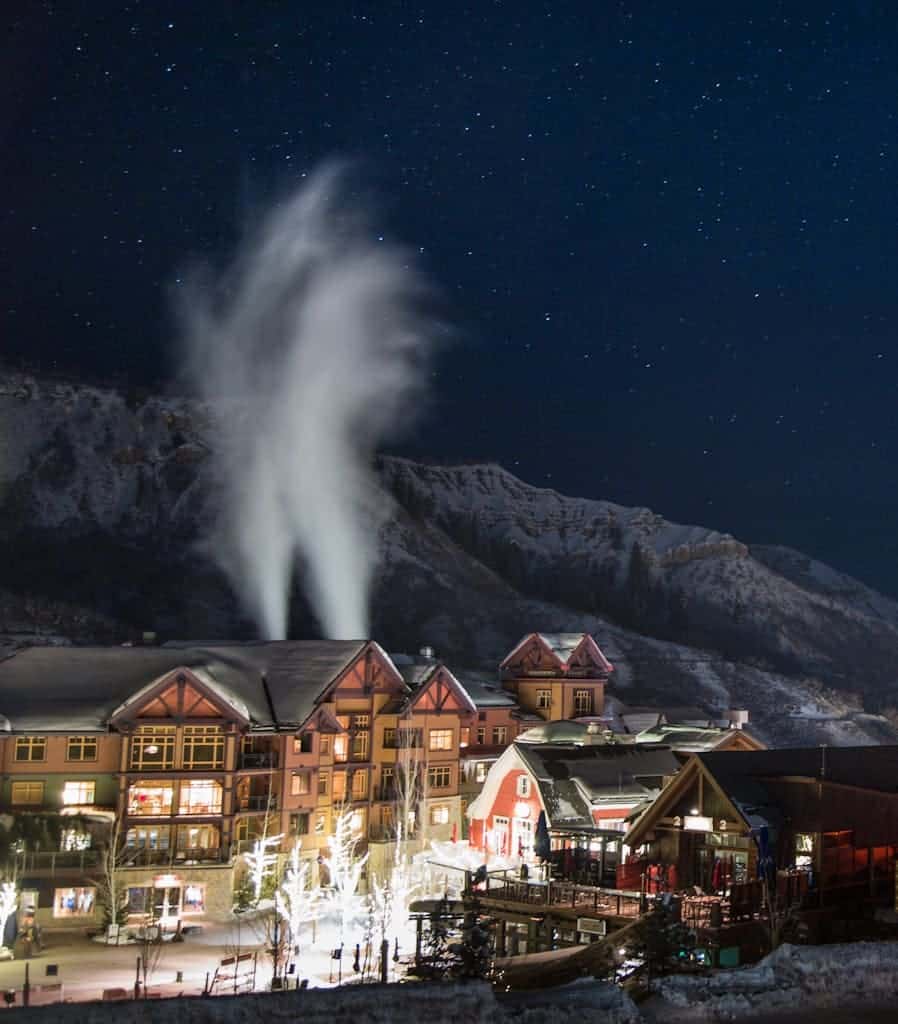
[(367, 645), (694, 767), (586, 639), (229, 706), (510, 758), (454, 684)]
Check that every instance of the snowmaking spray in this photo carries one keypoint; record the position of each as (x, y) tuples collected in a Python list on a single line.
[(310, 348)]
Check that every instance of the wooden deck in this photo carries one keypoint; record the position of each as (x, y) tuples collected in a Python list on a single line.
[(582, 900)]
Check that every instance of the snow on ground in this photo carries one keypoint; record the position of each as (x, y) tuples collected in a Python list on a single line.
[(791, 978)]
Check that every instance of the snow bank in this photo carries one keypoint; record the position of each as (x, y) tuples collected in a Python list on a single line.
[(473, 1003), (791, 978)]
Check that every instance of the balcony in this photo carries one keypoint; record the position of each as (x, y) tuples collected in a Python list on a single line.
[(257, 803), (257, 759), (57, 860), (149, 858)]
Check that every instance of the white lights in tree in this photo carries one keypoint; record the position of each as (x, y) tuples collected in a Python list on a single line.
[(262, 862), (299, 898), (9, 899), (344, 869), (393, 896)]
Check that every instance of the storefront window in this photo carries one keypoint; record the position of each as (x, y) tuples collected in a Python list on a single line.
[(194, 899), (77, 902)]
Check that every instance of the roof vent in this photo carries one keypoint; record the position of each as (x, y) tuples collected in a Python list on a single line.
[(427, 652), (737, 717)]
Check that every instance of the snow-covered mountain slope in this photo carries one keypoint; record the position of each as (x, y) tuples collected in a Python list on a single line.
[(103, 504)]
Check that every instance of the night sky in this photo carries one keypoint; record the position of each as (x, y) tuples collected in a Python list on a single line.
[(666, 234)]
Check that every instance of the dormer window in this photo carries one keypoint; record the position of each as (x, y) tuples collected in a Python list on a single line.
[(524, 785)]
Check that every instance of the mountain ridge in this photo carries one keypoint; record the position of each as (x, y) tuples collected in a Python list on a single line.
[(105, 505)]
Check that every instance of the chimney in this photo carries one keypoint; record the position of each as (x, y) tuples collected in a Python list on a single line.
[(592, 736), (736, 717), (428, 652)]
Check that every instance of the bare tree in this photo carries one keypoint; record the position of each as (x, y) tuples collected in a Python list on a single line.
[(110, 885)]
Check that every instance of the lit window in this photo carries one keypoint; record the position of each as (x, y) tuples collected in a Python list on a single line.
[(81, 748), (78, 793), (200, 796), (303, 744), (299, 784), (439, 776), (481, 771), (323, 783), (543, 698), (198, 837), (148, 837), (464, 736), (481, 735), (339, 789), (500, 735), (320, 824), (523, 785), (77, 902), (72, 840), (31, 748), (203, 746), (153, 746), (390, 739), (150, 799), (440, 739), (194, 899), (360, 785), (357, 821), (341, 747), (30, 794), (583, 702), (439, 814)]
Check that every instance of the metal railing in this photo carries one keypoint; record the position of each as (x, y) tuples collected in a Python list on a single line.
[(58, 860), (147, 858), (257, 803), (257, 759)]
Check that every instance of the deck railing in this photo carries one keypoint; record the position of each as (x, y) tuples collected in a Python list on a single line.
[(583, 898)]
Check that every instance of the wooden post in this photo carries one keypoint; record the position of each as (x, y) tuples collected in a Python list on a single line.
[(137, 980), (384, 959), (26, 988)]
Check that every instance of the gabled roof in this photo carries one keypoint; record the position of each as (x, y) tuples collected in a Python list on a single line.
[(759, 783), (441, 685), (79, 688), (574, 780), (229, 705), (691, 740), (562, 647)]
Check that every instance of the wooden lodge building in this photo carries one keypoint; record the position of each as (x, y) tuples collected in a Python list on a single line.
[(195, 751), (822, 821)]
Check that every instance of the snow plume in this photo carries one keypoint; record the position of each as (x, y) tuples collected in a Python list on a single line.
[(311, 348)]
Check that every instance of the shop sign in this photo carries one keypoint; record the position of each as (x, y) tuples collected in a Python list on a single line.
[(698, 823)]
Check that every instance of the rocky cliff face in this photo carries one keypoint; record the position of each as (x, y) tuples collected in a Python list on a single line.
[(103, 508)]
